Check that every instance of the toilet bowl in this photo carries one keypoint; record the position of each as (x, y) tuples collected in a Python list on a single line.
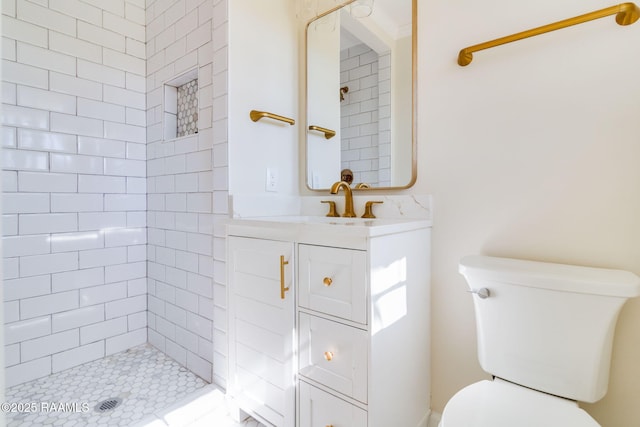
[(545, 334)]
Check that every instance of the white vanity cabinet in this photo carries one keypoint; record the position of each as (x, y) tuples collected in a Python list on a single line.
[(261, 304), (361, 328)]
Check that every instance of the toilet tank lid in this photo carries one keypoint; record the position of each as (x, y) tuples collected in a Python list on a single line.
[(545, 275)]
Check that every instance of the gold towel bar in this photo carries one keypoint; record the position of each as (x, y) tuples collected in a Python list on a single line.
[(328, 133), (626, 14), (257, 115)]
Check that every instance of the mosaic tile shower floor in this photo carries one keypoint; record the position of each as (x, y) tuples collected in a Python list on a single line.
[(155, 392)]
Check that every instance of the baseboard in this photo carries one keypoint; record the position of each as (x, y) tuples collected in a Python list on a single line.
[(434, 419), (424, 422)]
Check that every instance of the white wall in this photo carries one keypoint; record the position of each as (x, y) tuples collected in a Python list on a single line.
[(74, 183), (262, 76), (530, 151)]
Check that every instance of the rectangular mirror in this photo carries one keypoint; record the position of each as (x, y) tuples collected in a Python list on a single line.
[(361, 76)]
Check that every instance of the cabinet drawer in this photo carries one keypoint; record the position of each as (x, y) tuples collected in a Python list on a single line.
[(334, 355), (321, 409), (333, 281)]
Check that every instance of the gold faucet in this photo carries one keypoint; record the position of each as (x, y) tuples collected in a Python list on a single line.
[(332, 208), (348, 198), (368, 209)]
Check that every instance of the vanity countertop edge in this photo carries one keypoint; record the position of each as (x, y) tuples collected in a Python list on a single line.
[(350, 232)]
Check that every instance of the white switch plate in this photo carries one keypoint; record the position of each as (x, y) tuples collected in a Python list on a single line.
[(272, 180)]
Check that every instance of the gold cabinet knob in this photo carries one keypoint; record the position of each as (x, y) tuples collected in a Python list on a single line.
[(328, 355), (327, 281)]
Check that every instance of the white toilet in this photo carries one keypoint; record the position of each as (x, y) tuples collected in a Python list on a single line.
[(545, 333)]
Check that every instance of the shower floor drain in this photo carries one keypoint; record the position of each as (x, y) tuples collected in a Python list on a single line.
[(108, 404)]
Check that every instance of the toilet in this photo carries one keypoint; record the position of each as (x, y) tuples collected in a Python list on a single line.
[(545, 333)]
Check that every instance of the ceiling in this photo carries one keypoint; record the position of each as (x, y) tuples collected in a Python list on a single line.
[(394, 16)]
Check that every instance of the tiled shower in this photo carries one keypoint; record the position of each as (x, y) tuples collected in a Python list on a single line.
[(107, 219)]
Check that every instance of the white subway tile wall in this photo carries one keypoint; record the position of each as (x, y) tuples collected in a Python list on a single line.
[(74, 170), (82, 131), (180, 207)]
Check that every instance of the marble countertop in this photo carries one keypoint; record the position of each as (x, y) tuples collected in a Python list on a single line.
[(322, 229)]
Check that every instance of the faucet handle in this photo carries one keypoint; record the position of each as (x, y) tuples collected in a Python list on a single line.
[(332, 208), (368, 209)]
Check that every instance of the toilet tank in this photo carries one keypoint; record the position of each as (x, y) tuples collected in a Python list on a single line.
[(547, 326)]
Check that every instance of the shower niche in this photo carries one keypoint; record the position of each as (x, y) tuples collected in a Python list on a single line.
[(180, 115)]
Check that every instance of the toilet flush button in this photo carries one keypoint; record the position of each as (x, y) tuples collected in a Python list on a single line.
[(482, 292)]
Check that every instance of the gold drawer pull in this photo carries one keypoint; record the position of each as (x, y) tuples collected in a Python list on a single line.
[(327, 281), (328, 355), (330, 425), (282, 287)]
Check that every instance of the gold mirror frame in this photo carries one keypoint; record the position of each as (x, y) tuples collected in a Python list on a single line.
[(414, 66)]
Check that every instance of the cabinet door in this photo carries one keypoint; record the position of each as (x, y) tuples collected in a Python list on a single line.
[(321, 409), (261, 325)]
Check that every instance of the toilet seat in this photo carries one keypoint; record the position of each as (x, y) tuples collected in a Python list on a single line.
[(500, 403)]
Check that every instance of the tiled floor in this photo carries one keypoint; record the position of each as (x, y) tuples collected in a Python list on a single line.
[(155, 392)]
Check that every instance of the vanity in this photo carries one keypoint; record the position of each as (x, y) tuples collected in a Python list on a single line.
[(328, 320), (328, 317)]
